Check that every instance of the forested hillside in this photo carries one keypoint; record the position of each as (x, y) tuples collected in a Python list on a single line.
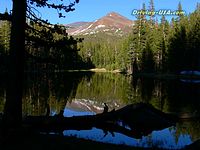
[(47, 47), (152, 46)]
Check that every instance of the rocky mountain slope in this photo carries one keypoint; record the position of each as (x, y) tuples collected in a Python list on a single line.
[(112, 23)]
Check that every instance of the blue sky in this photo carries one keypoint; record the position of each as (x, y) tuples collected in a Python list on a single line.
[(90, 10)]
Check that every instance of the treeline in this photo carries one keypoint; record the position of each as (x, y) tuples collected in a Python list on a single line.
[(52, 47), (101, 49), (154, 45), (165, 46), (48, 47)]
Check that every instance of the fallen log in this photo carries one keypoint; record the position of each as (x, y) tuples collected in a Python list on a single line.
[(135, 120)]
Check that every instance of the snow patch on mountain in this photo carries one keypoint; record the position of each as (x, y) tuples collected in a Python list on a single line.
[(112, 22)]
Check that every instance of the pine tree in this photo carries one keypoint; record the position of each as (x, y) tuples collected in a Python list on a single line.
[(147, 62), (180, 13), (164, 29), (137, 42), (178, 42), (152, 10), (13, 107), (193, 46)]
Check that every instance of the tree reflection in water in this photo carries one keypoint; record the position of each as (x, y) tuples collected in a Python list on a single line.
[(84, 93)]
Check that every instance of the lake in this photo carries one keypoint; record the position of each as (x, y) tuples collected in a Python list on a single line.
[(83, 93)]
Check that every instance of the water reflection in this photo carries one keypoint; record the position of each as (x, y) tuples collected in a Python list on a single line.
[(84, 94), (71, 113), (50, 90), (165, 138), (161, 139)]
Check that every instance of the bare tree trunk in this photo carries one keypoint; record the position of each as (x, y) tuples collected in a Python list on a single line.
[(13, 107)]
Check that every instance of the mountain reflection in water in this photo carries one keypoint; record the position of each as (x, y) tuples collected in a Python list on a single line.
[(88, 91), (162, 139)]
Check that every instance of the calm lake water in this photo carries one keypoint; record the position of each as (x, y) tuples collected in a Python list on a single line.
[(83, 93)]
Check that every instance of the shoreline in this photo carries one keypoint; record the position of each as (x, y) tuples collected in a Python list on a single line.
[(137, 75)]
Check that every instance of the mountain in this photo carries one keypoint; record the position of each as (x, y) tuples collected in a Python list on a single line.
[(112, 23), (84, 105)]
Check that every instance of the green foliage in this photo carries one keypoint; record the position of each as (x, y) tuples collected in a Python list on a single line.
[(152, 46), (52, 45), (101, 49), (48, 47), (4, 43), (147, 64), (162, 47), (184, 48), (5, 35)]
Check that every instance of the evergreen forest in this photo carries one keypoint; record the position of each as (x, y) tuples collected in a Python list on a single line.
[(153, 46)]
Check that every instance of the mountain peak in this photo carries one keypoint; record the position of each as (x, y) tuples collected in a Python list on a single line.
[(112, 23), (113, 14)]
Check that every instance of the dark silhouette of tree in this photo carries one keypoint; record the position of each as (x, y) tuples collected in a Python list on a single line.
[(183, 49), (177, 49), (21, 10), (13, 107), (193, 46)]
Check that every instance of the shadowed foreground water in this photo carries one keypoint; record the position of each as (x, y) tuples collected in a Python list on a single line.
[(81, 93), (162, 139)]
